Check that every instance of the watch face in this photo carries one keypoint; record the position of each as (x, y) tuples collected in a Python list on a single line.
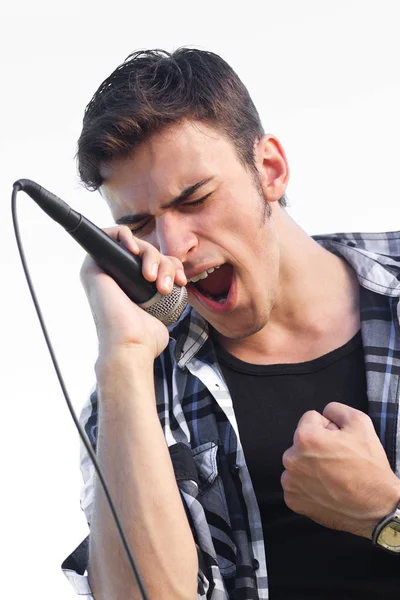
[(389, 537)]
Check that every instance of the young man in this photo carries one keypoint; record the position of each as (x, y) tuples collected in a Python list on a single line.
[(238, 443)]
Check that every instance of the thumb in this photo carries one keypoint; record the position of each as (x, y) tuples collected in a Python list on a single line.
[(341, 414), (312, 420)]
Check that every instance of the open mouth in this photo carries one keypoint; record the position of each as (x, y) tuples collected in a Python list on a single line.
[(215, 288)]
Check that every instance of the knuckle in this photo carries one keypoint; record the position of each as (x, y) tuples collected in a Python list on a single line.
[(288, 484), (284, 479), (112, 231), (290, 501), (360, 418), (142, 243), (148, 252), (310, 415), (178, 264), (124, 230), (304, 438), (168, 263), (288, 459), (120, 233)]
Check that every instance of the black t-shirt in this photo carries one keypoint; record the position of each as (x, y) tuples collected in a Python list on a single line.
[(305, 561)]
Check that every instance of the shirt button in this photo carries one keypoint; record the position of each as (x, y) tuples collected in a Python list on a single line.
[(256, 564), (235, 469)]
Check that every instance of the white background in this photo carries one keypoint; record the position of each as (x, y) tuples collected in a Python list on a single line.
[(325, 77)]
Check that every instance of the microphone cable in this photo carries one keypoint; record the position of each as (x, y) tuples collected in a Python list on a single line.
[(75, 419)]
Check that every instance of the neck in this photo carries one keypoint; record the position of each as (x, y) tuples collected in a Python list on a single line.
[(316, 307)]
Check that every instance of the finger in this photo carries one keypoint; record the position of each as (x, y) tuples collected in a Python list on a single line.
[(166, 273), (149, 254), (284, 479), (127, 239), (180, 277), (164, 270), (288, 457), (123, 235), (345, 416), (311, 417), (152, 260), (308, 430), (332, 426), (309, 427)]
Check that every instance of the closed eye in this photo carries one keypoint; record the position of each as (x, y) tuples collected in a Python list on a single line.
[(139, 228), (197, 202)]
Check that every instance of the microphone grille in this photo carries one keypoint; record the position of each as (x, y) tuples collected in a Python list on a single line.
[(167, 308)]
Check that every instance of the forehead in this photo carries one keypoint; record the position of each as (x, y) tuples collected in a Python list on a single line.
[(165, 164)]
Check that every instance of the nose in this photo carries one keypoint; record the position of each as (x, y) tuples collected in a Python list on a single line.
[(174, 235)]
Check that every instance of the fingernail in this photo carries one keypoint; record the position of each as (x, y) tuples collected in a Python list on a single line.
[(154, 270), (167, 282)]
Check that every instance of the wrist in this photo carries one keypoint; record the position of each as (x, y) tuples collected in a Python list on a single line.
[(386, 534), (133, 357), (389, 498), (125, 382)]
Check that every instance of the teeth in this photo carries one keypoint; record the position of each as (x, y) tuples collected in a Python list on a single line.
[(203, 275)]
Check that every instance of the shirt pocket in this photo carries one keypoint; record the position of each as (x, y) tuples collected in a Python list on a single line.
[(197, 474)]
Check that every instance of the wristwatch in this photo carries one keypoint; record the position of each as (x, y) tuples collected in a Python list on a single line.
[(386, 534)]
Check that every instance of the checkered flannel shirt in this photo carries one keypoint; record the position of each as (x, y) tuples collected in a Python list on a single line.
[(196, 414)]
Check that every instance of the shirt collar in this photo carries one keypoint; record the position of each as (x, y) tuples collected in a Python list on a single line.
[(375, 257)]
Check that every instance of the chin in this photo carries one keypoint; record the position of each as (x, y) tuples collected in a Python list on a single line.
[(240, 330)]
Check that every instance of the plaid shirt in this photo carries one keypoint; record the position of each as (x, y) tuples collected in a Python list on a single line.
[(196, 413)]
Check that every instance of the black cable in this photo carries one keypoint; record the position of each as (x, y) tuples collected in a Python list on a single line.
[(81, 432)]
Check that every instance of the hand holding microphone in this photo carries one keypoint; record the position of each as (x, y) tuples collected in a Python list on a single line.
[(120, 323), (152, 281)]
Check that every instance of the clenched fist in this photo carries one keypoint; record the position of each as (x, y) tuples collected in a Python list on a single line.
[(337, 472)]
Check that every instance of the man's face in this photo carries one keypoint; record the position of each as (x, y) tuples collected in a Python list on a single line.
[(218, 220)]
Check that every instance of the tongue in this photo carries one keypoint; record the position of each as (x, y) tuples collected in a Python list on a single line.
[(218, 282)]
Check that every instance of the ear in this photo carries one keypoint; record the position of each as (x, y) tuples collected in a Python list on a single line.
[(273, 167)]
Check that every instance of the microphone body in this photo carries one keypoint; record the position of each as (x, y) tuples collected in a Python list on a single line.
[(125, 268)]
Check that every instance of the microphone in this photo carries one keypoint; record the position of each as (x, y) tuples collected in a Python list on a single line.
[(125, 268)]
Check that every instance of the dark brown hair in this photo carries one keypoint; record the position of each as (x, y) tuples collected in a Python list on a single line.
[(153, 89)]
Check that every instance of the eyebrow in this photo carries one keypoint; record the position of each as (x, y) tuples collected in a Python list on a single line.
[(132, 219)]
